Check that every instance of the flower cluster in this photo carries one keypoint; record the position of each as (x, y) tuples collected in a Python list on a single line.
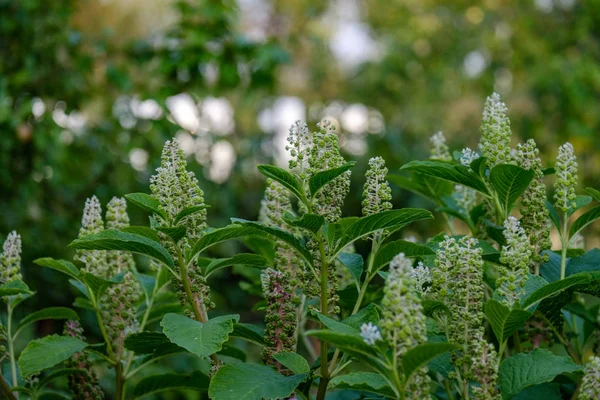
[(422, 277), (515, 255), (84, 384), (495, 131), (94, 261), (376, 192), (566, 178), (439, 148), (10, 258), (300, 143), (280, 316), (370, 333), (468, 156), (590, 384), (535, 214), (485, 371)]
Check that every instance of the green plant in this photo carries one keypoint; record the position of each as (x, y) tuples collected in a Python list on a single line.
[(460, 316)]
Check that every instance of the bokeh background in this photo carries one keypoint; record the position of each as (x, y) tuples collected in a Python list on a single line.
[(91, 89)]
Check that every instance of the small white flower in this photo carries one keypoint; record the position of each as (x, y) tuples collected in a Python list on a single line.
[(439, 148), (370, 333), (422, 276), (468, 156)]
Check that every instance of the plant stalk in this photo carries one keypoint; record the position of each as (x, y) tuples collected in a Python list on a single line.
[(324, 306), (11, 347), (6, 389), (565, 244)]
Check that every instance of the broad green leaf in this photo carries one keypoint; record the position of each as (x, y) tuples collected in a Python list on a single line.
[(588, 262), (580, 201), (142, 231), (231, 352), (420, 355), (196, 337), (310, 222), (363, 381), (391, 221), (478, 165), (63, 266), (289, 181), (365, 315), (112, 239), (251, 333), (219, 235), (354, 263), (145, 342), (338, 326), (584, 220), (245, 259), (527, 369), (99, 285), (429, 187), (81, 287), (146, 203), (189, 211), (550, 270), (333, 233), (450, 172), (503, 320), (388, 251), (45, 353), (320, 179), (546, 391), (82, 303), (48, 313), (553, 215), (509, 182), (293, 241), (593, 192), (197, 381), (292, 361), (244, 381), (554, 288), (430, 307), (13, 288), (176, 233)]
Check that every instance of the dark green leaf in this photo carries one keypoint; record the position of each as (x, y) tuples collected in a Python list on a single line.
[(45, 353), (244, 259), (553, 215), (13, 288), (593, 192), (48, 313), (450, 172), (365, 315), (320, 179), (249, 332), (388, 251), (580, 201), (145, 342), (419, 356), (177, 233), (198, 382), (289, 181), (215, 236), (430, 307), (555, 288), (188, 211), (363, 381), (584, 220), (509, 182), (147, 203), (503, 320), (354, 263), (142, 231), (63, 266), (292, 361), (310, 222), (546, 391)]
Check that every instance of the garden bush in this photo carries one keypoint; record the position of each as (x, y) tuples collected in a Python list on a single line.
[(486, 310)]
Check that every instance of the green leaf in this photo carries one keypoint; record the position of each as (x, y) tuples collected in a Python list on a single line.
[(338, 326), (63, 266), (146, 203), (310, 222), (555, 288), (450, 172), (363, 381), (320, 179), (546, 391), (13, 288), (593, 192), (333, 233), (388, 251), (292, 361), (177, 233), (580, 201), (391, 221), (244, 259), (289, 181), (197, 382), (244, 381), (48, 313), (99, 285), (57, 374), (503, 320), (419, 356), (354, 263), (112, 239), (509, 182), (249, 332), (258, 228), (219, 235), (189, 211), (145, 342), (196, 337), (142, 231), (430, 307), (523, 370), (588, 262), (365, 315), (584, 220), (553, 215), (429, 187), (45, 353)]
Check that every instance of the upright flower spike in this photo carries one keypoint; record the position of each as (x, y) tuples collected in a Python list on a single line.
[(94, 261), (495, 131), (402, 321), (566, 178), (485, 371), (590, 384), (10, 259), (535, 214), (516, 256), (280, 316), (376, 192), (439, 148), (84, 385), (300, 143)]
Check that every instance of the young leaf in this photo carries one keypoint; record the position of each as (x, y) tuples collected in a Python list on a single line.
[(310, 222), (363, 381), (354, 263), (420, 355), (388, 251), (45, 353), (289, 181), (13, 288), (337, 326), (250, 260), (320, 179), (523, 370), (48, 313), (112, 239), (584, 220), (391, 221), (251, 333), (365, 315), (197, 381), (292, 361), (196, 337), (244, 381), (509, 182), (145, 342), (189, 211), (176, 233), (146, 203), (503, 320), (63, 266), (450, 172)]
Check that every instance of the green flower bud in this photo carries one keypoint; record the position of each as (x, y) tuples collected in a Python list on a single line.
[(495, 132), (515, 256), (566, 178), (10, 258)]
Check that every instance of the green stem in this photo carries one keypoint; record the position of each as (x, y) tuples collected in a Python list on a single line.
[(565, 243), (6, 389), (324, 308), (120, 381), (501, 352), (11, 348)]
